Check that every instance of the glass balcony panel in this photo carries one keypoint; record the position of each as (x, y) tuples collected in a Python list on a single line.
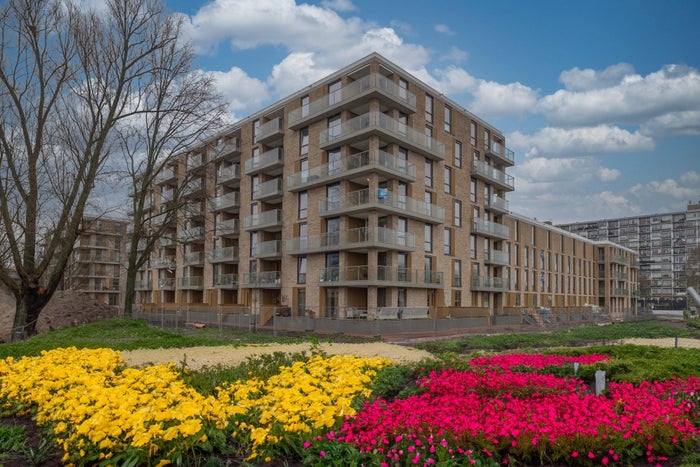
[(265, 279), (266, 219), (228, 227), (267, 160), (488, 173), (385, 275), (384, 201), (229, 174), (363, 237), (490, 229), (226, 281), (229, 253), (228, 201)]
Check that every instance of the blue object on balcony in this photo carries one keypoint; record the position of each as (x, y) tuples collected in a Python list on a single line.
[(383, 193)]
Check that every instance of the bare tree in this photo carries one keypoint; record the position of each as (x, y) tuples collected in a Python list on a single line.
[(68, 76), (179, 108)]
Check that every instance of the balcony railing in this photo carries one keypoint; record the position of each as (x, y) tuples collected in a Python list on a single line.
[(167, 195), (272, 159), (267, 279), (361, 200), (192, 234), (353, 165), (166, 283), (496, 203), (229, 227), (268, 190), (489, 284), (366, 86), (167, 262), (167, 241), (505, 155), (497, 257), (194, 257), (194, 161), (384, 275), (360, 238), (263, 220), (490, 174), (227, 148), (269, 249), (228, 201), (194, 210), (142, 284), (194, 186), (270, 131), (165, 175), (191, 282), (490, 229), (229, 174), (226, 280), (394, 131), (218, 255)]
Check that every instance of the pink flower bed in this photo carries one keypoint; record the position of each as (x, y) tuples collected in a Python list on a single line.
[(496, 415)]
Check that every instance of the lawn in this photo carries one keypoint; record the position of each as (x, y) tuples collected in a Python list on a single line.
[(515, 399)]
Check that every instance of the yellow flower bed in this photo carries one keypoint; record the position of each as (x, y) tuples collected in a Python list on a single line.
[(103, 413), (305, 398)]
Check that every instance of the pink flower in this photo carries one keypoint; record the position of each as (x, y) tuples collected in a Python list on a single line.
[(605, 460), (307, 444), (574, 454), (591, 455), (322, 453)]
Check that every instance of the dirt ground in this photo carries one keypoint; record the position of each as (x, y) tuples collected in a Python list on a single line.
[(198, 357)]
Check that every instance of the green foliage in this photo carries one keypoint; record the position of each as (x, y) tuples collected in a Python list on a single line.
[(12, 438)]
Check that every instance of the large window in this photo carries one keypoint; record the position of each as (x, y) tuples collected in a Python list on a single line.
[(447, 241), (428, 172), (429, 108), (303, 204), (448, 119), (458, 154), (458, 213), (448, 179), (334, 126), (305, 106), (457, 273), (301, 270), (335, 92), (304, 141), (403, 89), (473, 133), (428, 238)]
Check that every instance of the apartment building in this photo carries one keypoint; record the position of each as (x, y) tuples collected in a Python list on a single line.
[(367, 190), (95, 266), (663, 242)]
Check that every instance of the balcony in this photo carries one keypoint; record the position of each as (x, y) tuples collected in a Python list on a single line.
[(167, 196), (388, 130), (194, 258), (269, 191), (357, 203), (384, 276), (166, 175), (228, 202), (619, 292), (167, 262), (267, 220), (194, 187), (362, 238), (270, 162), (229, 148), (195, 161), (142, 285), (261, 280), (194, 210), (166, 283), (193, 234), (489, 174), (226, 281), (620, 259), (490, 229), (221, 255), (497, 204), (166, 241), (501, 153), (360, 91), (229, 176), (489, 284), (228, 228), (271, 249), (356, 166), (497, 257), (191, 282), (271, 132)]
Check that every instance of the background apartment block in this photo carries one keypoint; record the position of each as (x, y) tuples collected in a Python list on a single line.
[(95, 267), (663, 243), (367, 190)]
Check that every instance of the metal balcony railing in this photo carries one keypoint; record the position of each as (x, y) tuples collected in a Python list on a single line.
[(363, 237), (385, 201)]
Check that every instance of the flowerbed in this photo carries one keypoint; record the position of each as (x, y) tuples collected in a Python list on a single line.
[(102, 413)]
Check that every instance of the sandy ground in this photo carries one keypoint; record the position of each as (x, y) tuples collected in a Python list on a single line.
[(198, 357)]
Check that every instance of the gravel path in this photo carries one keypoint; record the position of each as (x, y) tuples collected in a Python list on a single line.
[(198, 357)]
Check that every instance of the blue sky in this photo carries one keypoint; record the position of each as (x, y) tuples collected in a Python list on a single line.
[(600, 100)]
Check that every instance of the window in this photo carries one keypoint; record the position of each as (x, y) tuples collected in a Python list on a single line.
[(304, 141), (447, 242), (304, 169), (428, 172), (256, 185), (333, 161), (472, 190), (303, 204), (402, 264), (403, 89), (458, 213), (458, 298), (334, 126), (458, 154), (335, 92), (256, 130), (403, 159), (448, 119), (403, 124), (472, 246), (487, 139), (473, 133), (457, 273), (253, 243), (401, 298), (301, 270), (305, 105), (448, 179), (428, 238), (429, 108)]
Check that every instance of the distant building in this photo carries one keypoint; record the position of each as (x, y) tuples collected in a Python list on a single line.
[(95, 266), (663, 242)]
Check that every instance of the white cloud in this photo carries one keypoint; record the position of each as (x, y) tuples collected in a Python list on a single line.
[(294, 72), (687, 187), (496, 100), (673, 124), (338, 5), (585, 141), (594, 99), (243, 93), (444, 29), (574, 173), (608, 175), (455, 54)]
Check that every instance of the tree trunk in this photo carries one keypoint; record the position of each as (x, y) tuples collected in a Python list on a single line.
[(129, 292), (27, 312)]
